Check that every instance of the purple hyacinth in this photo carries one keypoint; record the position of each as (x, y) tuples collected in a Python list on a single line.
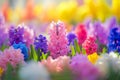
[(71, 37), (83, 69), (16, 35), (3, 34), (100, 32), (41, 44)]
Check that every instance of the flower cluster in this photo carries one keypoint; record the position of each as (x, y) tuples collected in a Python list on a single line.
[(83, 69), (58, 43), (28, 35), (16, 35), (71, 37), (3, 34), (41, 44), (81, 33), (100, 32), (89, 45), (56, 65), (21, 34), (114, 40), (11, 56)]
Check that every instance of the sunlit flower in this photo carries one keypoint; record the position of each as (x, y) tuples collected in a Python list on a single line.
[(1, 71), (93, 57), (56, 65)]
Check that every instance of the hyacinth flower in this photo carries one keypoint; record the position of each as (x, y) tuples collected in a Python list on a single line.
[(89, 45), (21, 34), (3, 34), (100, 32), (83, 69), (11, 56), (114, 40), (58, 43), (23, 48), (16, 35), (41, 44), (71, 37), (111, 22), (56, 65), (28, 35), (81, 33)]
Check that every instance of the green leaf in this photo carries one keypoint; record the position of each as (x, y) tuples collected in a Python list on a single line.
[(43, 56), (77, 48), (11, 73), (34, 56), (3, 47), (83, 51), (72, 50), (38, 54), (104, 50)]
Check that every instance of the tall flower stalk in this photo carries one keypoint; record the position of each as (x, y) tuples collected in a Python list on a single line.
[(114, 40), (58, 43)]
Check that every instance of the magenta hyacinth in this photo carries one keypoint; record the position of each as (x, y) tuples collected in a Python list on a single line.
[(11, 56), (89, 45), (83, 69), (58, 43), (81, 33)]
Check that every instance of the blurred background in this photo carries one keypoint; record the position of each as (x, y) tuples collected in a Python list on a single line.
[(72, 12)]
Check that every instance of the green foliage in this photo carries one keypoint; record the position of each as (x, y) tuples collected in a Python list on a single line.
[(72, 50), (11, 73), (33, 54), (66, 74), (83, 51), (77, 48), (3, 47)]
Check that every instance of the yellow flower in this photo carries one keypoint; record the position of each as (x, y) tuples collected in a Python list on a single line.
[(103, 10), (81, 13), (1, 71), (66, 10), (116, 7), (93, 58), (92, 8)]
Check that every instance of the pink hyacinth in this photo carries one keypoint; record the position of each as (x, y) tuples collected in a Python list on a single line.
[(57, 44), (11, 56), (28, 35), (89, 45), (56, 65), (81, 33)]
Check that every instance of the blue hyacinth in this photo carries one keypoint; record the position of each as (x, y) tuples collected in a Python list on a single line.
[(23, 48), (41, 44), (114, 40), (71, 37)]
